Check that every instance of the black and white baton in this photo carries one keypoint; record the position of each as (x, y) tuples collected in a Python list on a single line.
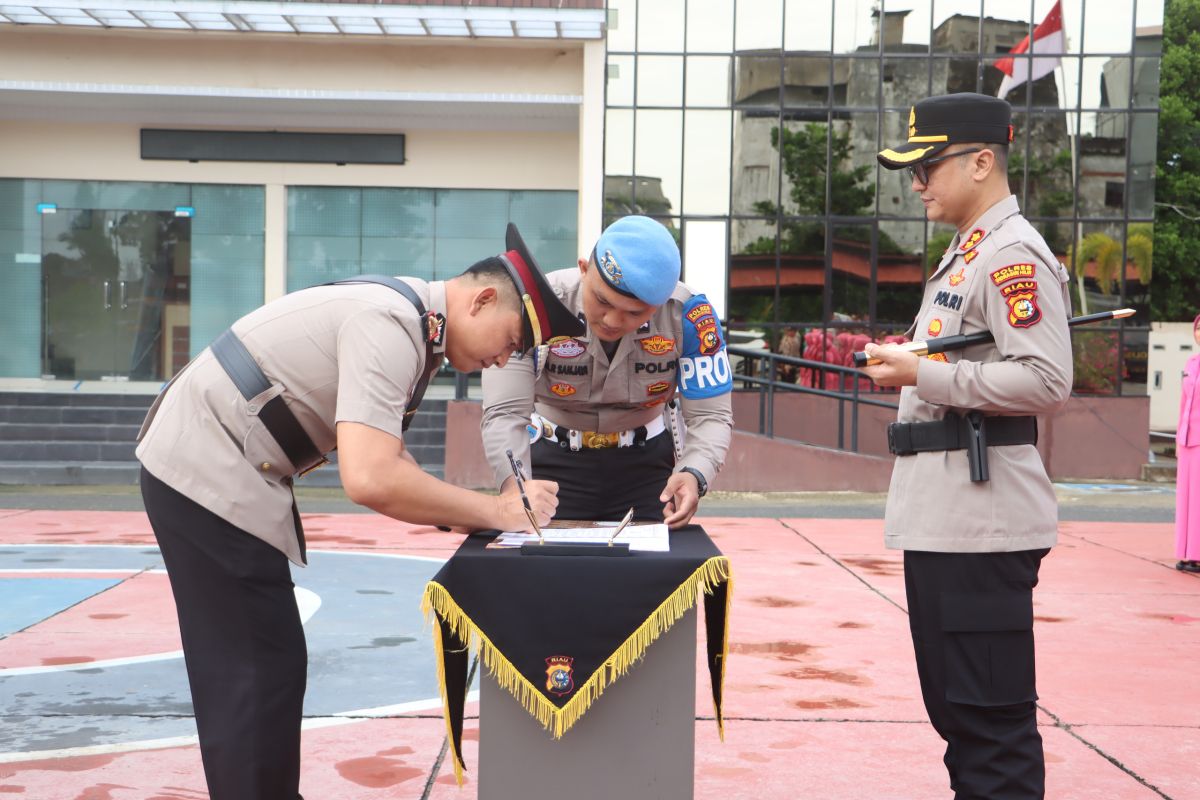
[(944, 344)]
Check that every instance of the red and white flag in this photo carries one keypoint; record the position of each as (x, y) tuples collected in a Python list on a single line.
[(1048, 37)]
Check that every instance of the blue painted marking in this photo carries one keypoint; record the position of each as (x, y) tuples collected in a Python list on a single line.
[(27, 601), (1118, 488), (76, 386)]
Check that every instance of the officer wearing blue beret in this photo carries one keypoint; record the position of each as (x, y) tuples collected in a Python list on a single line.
[(636, 410)]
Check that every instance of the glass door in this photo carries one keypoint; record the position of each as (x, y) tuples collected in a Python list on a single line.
[(115, 294)]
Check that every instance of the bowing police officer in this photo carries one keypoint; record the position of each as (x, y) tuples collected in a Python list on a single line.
[(970, 503), (636, 410), (340, 365)]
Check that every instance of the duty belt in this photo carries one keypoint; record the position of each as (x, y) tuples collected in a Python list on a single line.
[(542, 428), (973, 433)]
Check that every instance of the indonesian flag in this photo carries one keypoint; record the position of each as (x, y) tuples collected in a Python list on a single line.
[(1047, 38)]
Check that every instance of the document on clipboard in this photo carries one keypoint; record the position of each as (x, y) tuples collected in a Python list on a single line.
[(648, 537)]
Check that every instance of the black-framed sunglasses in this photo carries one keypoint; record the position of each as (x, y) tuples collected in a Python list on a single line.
[(921, 171)]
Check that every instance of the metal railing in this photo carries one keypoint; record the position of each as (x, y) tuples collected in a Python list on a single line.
[(768, 383)]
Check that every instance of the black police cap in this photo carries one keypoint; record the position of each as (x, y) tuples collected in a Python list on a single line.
[(544, 315), (935, 123)]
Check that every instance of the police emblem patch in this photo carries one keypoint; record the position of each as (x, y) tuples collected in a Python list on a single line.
[(971, 241), (613, 270), (435, 328), (657, 345), (935, 327), (566, 347), (1023, 310), (563, 389), (958, 277), (560, 679), (658, 387), (1012, 272)]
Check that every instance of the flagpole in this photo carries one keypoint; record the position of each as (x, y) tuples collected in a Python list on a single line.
[(1073, 135)]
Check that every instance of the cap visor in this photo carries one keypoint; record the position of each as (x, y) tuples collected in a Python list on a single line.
[(909, 153), (561, 321)]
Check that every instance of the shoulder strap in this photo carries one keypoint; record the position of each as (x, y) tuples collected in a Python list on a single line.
[(411, 296)]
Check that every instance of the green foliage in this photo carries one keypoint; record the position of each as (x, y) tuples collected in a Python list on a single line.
[(936, 248), (1177, 181), (1049, 186), (1106, 252), (1095, 355), (803, 155)]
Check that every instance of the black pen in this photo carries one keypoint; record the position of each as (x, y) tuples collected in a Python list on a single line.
[(516, 468)]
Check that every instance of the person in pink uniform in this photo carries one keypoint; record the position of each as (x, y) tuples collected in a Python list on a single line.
[(1187, 476)]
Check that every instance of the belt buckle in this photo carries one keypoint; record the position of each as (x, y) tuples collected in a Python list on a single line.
[(593, 440), (317, 465)]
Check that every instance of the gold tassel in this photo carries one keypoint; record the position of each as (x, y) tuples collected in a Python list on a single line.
[(557, 721)]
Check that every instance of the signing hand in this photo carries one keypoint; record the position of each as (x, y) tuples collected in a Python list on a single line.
[(682, 497), (543, 499)]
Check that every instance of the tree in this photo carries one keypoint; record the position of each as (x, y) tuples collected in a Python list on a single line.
[(1177, 182), (1106, 252), (804, 163)]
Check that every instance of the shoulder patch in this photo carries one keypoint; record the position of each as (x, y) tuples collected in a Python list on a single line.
[(704, 369), (1023, 311), (1012, 272), (973, 240)]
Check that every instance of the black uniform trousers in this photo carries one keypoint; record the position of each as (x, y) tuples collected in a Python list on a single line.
[(602, 484), (243, 644), (971, 617)]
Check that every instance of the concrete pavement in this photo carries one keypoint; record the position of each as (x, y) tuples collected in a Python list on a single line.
[(821, 694)]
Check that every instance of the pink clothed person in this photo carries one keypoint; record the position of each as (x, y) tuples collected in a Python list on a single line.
[(1187, 476)]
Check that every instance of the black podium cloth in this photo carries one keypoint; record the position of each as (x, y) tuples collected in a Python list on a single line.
[(555, 631)]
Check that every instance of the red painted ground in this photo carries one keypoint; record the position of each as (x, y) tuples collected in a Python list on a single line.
[(821, 695)]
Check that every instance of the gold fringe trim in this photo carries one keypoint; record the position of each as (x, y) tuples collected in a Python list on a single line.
[(557, 721)]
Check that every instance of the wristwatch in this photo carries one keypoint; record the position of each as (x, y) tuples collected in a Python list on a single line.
[(700, 482)]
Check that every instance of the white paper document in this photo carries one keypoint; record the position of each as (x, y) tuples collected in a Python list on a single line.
[(650, 537)]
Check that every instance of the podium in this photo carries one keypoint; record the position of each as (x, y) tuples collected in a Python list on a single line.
[(587, 665), (638, 741)]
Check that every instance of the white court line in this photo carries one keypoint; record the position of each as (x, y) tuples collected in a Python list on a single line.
[(341, 718), (307, 601)]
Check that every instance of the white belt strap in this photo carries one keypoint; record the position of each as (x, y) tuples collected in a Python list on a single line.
[(542, 428)]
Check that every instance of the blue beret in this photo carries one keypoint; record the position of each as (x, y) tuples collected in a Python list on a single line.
[(638, 257)]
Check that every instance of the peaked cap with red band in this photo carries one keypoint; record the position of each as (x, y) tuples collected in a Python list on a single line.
[(544, 317)]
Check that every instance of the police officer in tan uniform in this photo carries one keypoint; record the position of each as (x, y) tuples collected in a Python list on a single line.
[(341, 365), (970, 503), (634, 412)]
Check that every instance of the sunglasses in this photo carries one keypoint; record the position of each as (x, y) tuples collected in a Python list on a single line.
[(921, 171)]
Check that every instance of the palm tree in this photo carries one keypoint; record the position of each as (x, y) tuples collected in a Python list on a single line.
[(1106, 252)]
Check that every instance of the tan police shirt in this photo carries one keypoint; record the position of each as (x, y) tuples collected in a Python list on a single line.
[(349, 353), (574, 385), (1000, 277)]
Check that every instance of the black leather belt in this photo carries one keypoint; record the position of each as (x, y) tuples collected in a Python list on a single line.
[(973, 433), (278, 419)]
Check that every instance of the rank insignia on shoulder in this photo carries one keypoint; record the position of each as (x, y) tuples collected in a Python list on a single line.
[(974, 239), (566, 347), (935, 327), (970, 256), (435, 328), (560, 679), (1012, 272), (1023, 310), (563, 389), (958, 277), (657, 345)]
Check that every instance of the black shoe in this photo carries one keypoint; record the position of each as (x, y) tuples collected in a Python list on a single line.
[(1188, 566)]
